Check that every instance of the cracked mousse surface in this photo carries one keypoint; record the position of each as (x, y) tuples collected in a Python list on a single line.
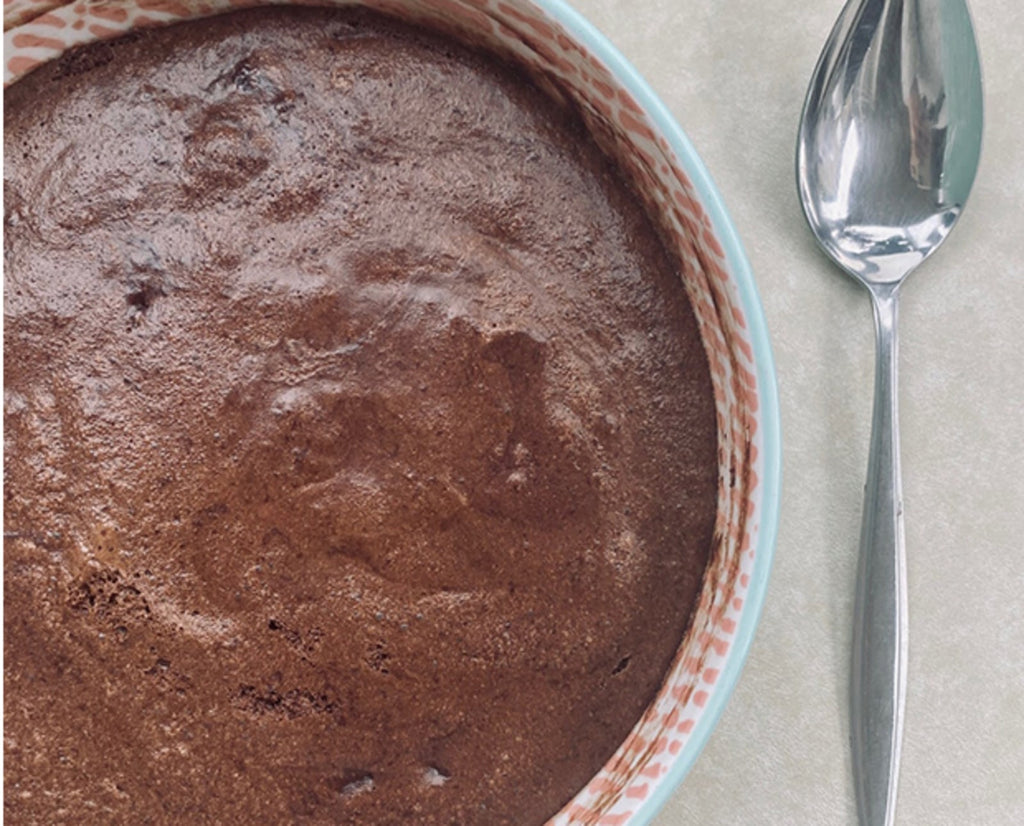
[(360, 444)]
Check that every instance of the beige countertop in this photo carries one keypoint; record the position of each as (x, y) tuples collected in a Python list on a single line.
[(734, 73)]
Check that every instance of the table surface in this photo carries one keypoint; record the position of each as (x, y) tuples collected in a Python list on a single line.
[(734, 73)]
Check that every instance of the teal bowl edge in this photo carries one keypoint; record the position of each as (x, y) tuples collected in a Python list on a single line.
[(768, 398)]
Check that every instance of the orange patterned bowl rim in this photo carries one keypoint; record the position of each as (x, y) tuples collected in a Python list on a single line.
[(567, 55)]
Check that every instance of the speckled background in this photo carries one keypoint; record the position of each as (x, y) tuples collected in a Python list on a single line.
[(734, 73)]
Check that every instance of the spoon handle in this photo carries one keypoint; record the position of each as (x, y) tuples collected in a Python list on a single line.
[(879, 673)]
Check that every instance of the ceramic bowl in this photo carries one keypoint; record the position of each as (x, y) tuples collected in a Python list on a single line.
[(569, 57)]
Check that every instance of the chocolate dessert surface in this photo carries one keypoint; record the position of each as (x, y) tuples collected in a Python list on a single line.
[(360, 445)]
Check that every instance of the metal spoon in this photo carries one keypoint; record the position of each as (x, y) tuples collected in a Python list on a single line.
[(887, 152)]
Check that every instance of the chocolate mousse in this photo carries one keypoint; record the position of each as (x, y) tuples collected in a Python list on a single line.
[(360, 444)]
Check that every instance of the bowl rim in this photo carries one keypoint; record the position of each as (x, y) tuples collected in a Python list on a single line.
[(768, 416)]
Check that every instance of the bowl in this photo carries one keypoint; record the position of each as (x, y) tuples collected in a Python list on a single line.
[(571, 59)]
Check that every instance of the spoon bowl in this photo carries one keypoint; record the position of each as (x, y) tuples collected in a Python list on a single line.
[(891, 134), (887, 152)]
